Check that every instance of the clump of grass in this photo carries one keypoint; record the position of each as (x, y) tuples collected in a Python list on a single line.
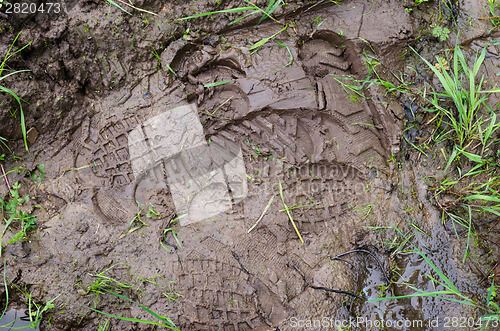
[(4, 73), (463, 88), (136, 222), (464, 121), (103, 283), (170, 228), (355, 88), (15, 217), (494, 7), (35, 311), (252, 8)]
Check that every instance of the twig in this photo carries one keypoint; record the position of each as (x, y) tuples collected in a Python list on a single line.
[(336, 291), (369, 253), (262, 215), (5, 176), (237, 258), (486, 238), (321, 287), (289, 216), (357, 275)]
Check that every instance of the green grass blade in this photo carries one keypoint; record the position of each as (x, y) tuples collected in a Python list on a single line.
[(273, 4), (288, 213), (233, 10), (436, 269), (491, 210), (257, 8), (161, 318), (479, 62), (490, 292), (171, 70), (423, 294), (8, 55), (6, 289), (6, 90), (482, 197), (414, 146), (137, 320), (473, 157), (469, 232), (218, 83), (289, 53), (13, 73), (23, 124), (255, 47), (243, 17), (118, 6), (495, 90), (452, 157)]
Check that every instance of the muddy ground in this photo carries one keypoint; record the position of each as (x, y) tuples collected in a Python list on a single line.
[(341, 160)]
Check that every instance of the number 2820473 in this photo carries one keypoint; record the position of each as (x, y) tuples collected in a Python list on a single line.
[(32, 8)]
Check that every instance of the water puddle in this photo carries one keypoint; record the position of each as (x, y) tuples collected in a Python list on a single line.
[(16, 319)]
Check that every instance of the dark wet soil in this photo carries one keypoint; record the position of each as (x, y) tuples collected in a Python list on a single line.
[(339, 156)]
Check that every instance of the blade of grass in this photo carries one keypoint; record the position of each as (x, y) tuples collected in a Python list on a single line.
[(271, 7), (118, 6), (131, 6), (6, 289), (23, 123), (136, 320), (255, 47), (436, 269), (264, 12), (243, 17), (262, 214), (217, 83), (169, 324), (289, 53), (232, 10), (13, 73), (7, 56), (289, 215), (482, 197), (162, 318)]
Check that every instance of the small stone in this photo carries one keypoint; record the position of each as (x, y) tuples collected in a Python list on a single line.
[(31, 135)]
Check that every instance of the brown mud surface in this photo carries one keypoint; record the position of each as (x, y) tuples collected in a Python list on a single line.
[(94, 79)]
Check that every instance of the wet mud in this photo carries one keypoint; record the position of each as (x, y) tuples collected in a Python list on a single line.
[(305, 140)]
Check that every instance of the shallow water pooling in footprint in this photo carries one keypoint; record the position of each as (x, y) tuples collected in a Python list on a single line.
[(17, 319)]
